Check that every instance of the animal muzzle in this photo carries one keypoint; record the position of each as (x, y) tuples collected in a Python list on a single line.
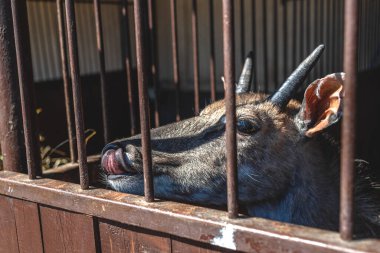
[(117, 160)]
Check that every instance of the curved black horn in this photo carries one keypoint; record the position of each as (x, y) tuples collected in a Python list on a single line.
[(287, 90), (246, 75)]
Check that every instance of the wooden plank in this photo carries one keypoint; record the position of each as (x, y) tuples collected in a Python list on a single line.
[(8, 231), (180, 245), (65, 231), (28, 226), (117, 238)]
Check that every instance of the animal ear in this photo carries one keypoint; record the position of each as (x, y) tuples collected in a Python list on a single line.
[(321, 105)]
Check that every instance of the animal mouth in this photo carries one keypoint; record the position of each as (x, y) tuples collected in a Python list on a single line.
[(116, 162)]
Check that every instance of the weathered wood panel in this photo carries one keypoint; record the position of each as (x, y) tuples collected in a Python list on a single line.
[(8, 232), (28, 226), (65, 231), (182, 245), (116, 237)]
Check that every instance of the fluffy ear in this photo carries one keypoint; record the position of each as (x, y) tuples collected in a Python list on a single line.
[(321, 105)]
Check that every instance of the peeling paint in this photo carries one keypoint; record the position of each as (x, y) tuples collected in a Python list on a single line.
[(226, 238)]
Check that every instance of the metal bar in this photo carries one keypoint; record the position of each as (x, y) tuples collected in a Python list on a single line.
[(285, 30), (242, 32), (348, 127), (25, 74), (77, 92), (102, 68), (254, 45), (11, 137), (143, 77), (176, 78), (128, 67), (66, 80), (154, 62), (275, 43), (212, 52), (265, 45), (194, 23), (229, 79)]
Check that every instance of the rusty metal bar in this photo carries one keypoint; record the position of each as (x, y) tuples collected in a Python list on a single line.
[(229, 79), (285, 43), (254, 45), (11, 137), (25, 74), (348, 127), (275, 43), (194, 23), (265, 45), (77, 92), (143, 78), (128, 67), (176, 78), (153, 57), (242, 32), (212, 52), (66, 80), (102, 68)]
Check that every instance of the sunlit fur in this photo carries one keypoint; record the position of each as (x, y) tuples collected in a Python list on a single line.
[(282, 174)]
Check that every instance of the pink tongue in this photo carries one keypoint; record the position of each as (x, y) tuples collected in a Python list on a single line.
[(110, 164)]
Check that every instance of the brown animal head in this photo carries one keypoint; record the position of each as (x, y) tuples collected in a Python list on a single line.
[(287, 167)]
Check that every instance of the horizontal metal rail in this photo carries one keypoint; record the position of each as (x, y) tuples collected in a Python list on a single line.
[(186, 221)]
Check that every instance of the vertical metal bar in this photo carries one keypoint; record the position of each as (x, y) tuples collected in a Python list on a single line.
[(212, 52), (102, 66), (294, 42), (11, 137), (176, 78), (77, 92), (265, 45), (275, 43), (194, 22), (254, 45), (25, 74), (153, 57), (348, 127), (66, 80), (128, 67), (242, 34), (308, 26), (229, 78), (285, 30), (143, 78)]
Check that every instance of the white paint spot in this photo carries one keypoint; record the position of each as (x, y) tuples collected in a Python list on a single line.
[(226, 238), (10, 189), (103, 208)]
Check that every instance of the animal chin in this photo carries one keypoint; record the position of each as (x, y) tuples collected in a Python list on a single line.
[(115, 162)]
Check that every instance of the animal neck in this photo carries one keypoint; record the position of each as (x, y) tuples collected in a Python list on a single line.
[(312, 198)]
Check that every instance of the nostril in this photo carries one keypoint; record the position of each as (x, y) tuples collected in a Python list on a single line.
[(133, 153), (111, 146)]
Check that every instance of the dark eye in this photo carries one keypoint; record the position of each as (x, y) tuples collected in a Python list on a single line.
[(247, 126)]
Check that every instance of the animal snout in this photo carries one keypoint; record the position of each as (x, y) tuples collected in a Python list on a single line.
[(120, 160)]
